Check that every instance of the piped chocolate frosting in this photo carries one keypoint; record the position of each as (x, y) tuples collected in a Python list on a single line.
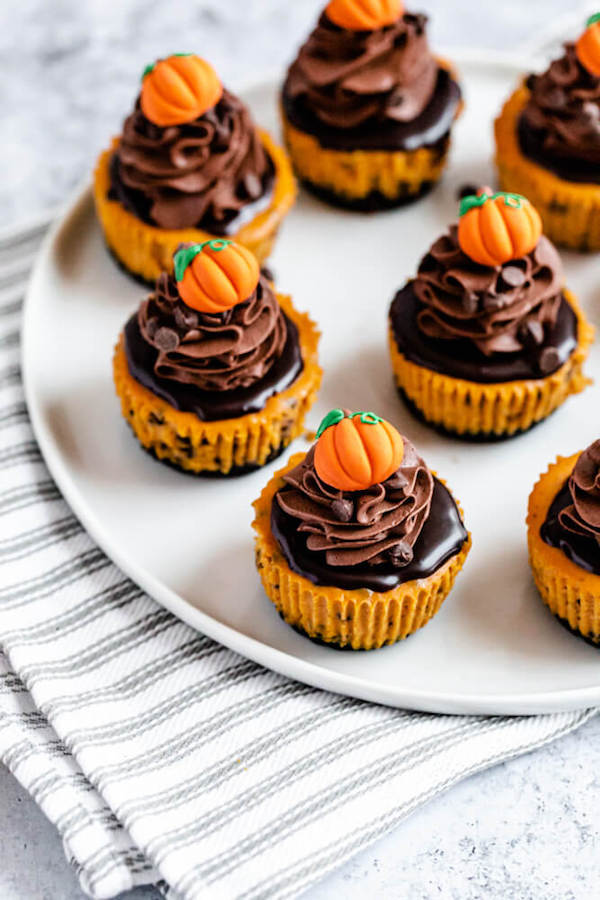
[(488, 324), (351, 77), (372, 89), (500, 309), (391, 533), (212, 173), (560, 126), (213, 352), (573, 520), (217, 366), (374, 526)]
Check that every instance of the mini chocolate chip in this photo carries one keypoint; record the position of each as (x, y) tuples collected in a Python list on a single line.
[(185, 318), (342, 509), (530, 82), (493, 302), (532, 332), (555, 98), (221, 139), (420, 20), (151, 326), (466, 190), (268, 273), (401, 553), (549, 360), (166, 339), (180, 318), (513, 276), (590, 110), (153, 131), (253, 186), (470, 302)]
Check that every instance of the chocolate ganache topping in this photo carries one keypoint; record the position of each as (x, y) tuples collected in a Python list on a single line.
[(378, 525), (561, 123), (501, 309), (573, 520), (204, 173), (351, 77), (213, 352)]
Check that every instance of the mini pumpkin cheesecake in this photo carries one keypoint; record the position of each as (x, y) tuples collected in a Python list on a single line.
[(487, 340), (358, 543), (189, 166), (215, 371), (563, 526), (367, 109), (548, 142)]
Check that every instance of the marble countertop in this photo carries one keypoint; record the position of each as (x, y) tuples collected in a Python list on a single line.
[(527, 829)]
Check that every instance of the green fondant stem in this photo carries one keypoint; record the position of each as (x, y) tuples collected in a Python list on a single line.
[(474, 200), (151, 66), (336, 416), (367, 418), (332, 418), (184, 257)]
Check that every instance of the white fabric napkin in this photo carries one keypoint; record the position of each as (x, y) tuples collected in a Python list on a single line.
[(162, 757)]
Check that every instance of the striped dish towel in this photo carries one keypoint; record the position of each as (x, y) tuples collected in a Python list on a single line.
[(162, 757)]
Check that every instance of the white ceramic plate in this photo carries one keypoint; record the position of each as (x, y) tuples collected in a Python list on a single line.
[(493, 648)]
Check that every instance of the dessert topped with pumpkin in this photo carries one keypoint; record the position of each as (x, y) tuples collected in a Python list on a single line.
[(548, 139), (487, 340), (358, 543), (367, 108), (215, 370), (189, 165), (564, 540), (560, 124)]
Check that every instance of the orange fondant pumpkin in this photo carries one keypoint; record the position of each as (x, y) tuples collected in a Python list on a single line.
[(364, 15), (178, 89), (588, 46), (356, 451), (214, 276), (495, 228)]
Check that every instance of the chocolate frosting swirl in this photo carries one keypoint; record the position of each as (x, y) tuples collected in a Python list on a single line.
[(221, 352), (351, 77), (501, 309), (375, 526), (204, 171), (564, 109), (582, 516)]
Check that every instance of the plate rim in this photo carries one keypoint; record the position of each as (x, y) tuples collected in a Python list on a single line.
[(270, 657)]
